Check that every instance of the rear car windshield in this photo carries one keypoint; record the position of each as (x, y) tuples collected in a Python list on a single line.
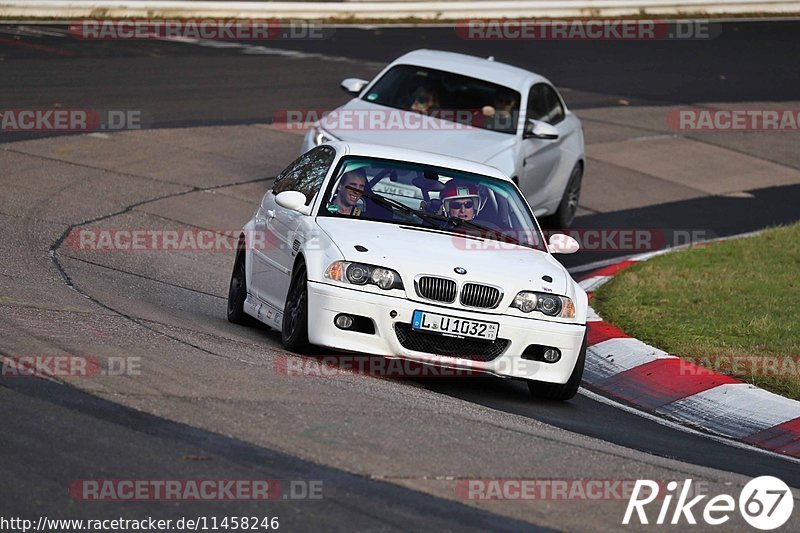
[(449, 96)]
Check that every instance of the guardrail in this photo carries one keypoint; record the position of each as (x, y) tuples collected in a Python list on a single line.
[(386, 9)]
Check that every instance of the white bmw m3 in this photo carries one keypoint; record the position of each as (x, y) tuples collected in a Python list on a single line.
[(413, 255)]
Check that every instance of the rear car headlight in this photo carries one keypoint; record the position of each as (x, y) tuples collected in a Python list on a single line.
[(321, 136), (545, 303), (361, 274)]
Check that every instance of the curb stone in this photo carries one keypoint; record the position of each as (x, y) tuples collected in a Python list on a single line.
[(654, 381)]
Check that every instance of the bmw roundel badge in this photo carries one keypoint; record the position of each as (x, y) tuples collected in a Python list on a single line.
[(460, 270)]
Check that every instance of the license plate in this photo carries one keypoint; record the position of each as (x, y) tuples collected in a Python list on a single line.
[(455, 327)]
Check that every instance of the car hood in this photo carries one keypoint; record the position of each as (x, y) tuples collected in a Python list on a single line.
[(412, 251), (428, 134)]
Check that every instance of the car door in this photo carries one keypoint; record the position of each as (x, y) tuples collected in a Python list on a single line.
[(541, 157), (285, 230)]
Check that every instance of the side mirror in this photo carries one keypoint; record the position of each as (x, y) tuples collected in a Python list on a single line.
[(294, 200), (539, 130), (562, 244), (353, 86)]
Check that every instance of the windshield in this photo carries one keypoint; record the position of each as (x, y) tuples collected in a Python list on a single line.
[(448, 96), (409, 194)]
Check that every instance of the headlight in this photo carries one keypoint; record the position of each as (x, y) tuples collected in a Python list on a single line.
[(357, 274), (548, 304), (321, 136), (361, 274), (385, 278)]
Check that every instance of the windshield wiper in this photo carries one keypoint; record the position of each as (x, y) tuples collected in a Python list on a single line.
[(397, 205), (456, 222)]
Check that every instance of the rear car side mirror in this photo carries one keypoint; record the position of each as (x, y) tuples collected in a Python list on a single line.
[(353, 86), (537, 129), (562, 244)]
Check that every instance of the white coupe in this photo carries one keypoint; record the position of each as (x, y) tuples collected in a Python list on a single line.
[(413, 255), (519, 122)]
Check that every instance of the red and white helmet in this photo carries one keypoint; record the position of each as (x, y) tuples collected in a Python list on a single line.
[(459, 191)]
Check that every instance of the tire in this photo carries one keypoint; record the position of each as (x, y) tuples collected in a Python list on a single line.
[(565, 213), (557, 391), (237, 293), (294, 332)]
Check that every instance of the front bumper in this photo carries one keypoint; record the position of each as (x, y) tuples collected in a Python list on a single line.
[(326, 301)]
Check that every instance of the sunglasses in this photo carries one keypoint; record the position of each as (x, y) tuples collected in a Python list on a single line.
[(458, 205)]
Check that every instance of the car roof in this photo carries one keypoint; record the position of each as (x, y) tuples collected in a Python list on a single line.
[(474, 67), (416, 156)]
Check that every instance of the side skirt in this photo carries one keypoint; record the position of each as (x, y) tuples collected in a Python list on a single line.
[(263, 312)]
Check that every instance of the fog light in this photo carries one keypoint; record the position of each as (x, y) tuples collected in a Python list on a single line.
[(551, 355), (343, 321)]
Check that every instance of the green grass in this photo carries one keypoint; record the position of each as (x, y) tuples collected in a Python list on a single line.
[(739, 298)]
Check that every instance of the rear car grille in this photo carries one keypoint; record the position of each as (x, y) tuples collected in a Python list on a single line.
[(476, 295), (438, 289), (474, 350)]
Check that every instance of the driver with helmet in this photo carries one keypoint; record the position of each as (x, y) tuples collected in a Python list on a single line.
[(460, 200)]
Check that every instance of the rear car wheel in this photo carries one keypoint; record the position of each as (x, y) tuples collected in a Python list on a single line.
[(565, 213), (237, 292), (557, 391), (294, 332)]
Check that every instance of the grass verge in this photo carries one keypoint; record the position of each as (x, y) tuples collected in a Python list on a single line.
[(733, 307)]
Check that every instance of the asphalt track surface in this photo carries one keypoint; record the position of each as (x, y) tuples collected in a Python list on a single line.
[(63, 433), (175, 85)]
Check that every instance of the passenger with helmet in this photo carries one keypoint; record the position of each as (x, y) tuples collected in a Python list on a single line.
[(460, 200)]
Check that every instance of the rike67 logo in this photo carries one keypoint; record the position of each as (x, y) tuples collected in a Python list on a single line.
[(765, 503)]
